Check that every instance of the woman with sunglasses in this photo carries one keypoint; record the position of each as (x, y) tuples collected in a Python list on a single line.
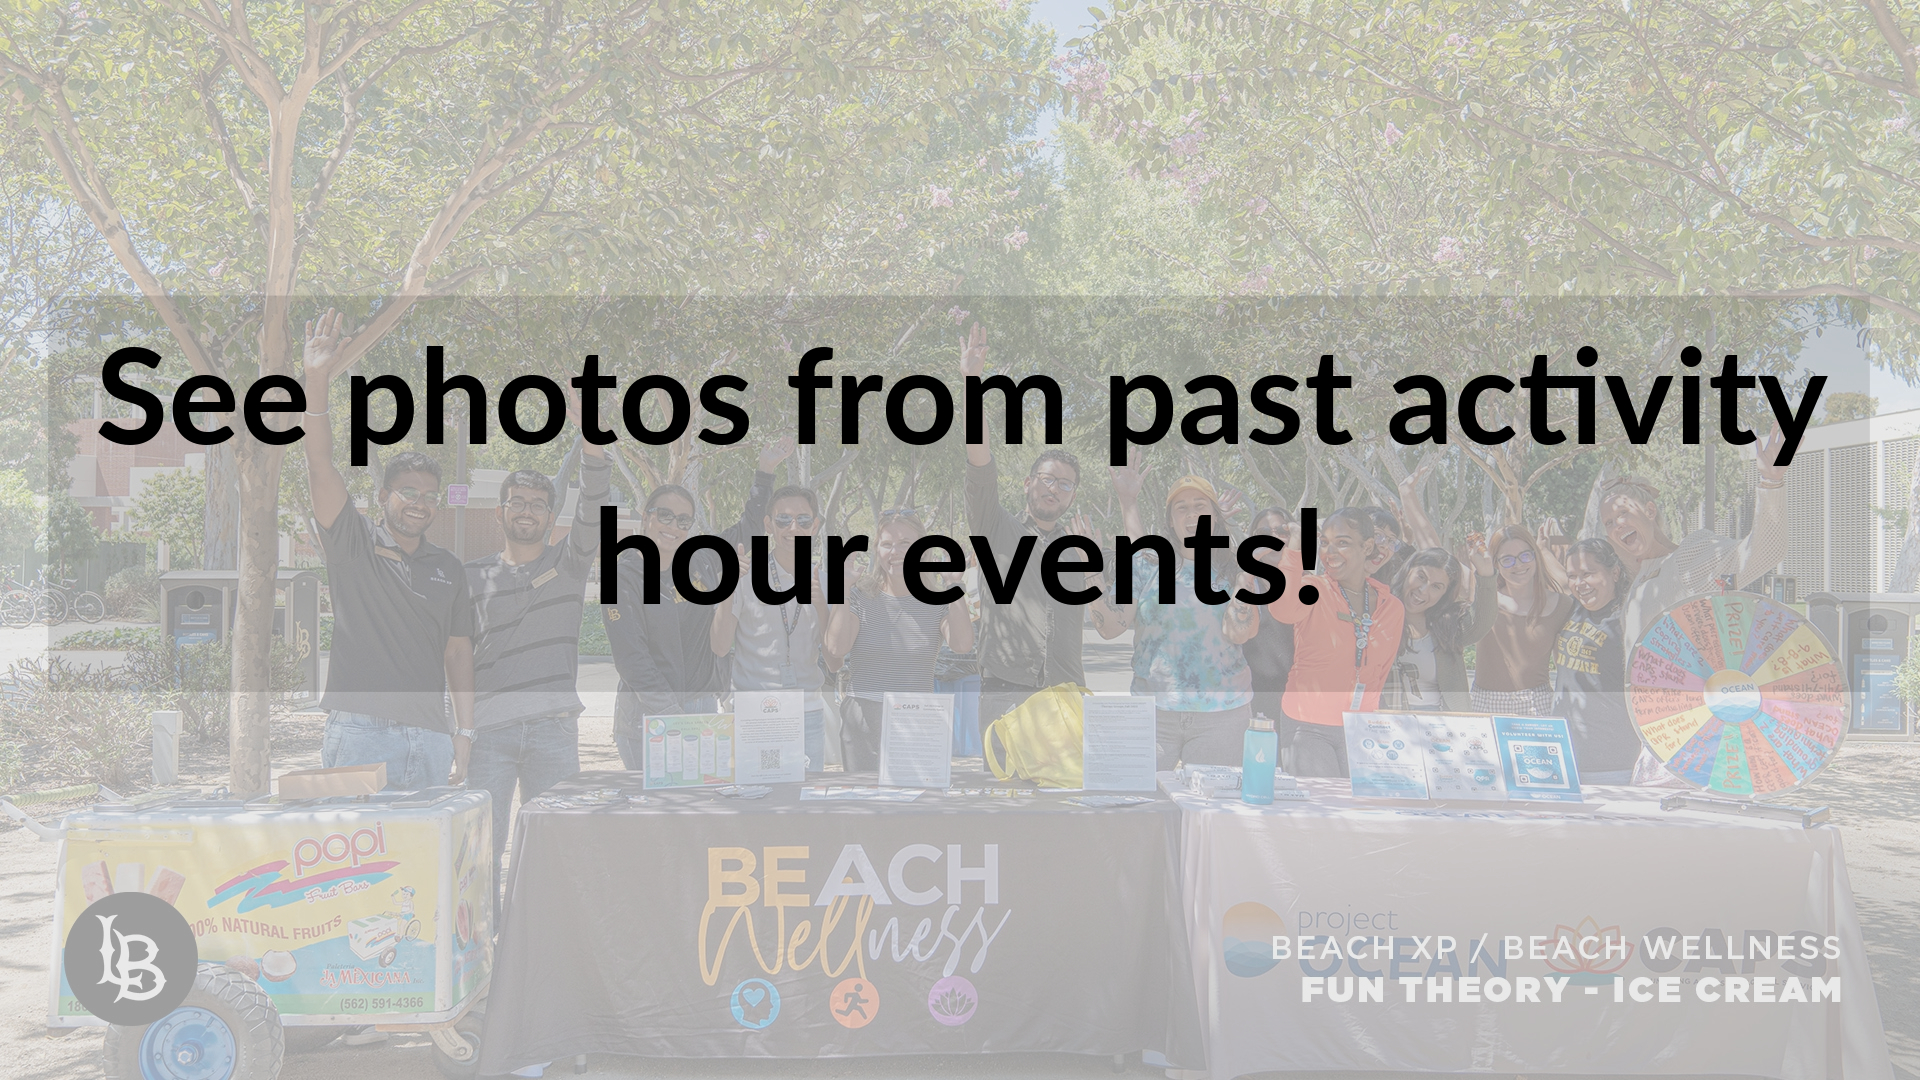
[(1590, 666), (1431, 671), (890, 640), (1187, 654), (1510, 670)]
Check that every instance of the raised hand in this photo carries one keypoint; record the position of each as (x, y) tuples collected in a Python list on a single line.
[(1767, 455), (1128, 478), (973, 355), (1476, 556), (324, 347), (775, 452)]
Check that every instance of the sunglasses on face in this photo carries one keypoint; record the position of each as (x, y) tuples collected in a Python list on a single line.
[(521, 506), (1055, 483), (793, 521), (1525, 558), (418, 497), (664, 516)]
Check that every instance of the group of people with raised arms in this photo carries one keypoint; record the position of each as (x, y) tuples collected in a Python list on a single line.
[(1519, 624)]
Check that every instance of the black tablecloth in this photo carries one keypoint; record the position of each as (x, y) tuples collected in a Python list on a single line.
[(616, 914)]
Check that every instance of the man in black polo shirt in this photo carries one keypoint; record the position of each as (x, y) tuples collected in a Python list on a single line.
[(402, 617)]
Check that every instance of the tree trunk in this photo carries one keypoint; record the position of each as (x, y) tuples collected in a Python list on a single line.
[(257, 472), (220, 542)]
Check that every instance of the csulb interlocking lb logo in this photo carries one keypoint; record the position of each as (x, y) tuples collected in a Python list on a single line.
[(130, 958)]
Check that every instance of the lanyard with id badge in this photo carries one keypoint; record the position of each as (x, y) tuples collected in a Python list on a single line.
[(1362, 633)]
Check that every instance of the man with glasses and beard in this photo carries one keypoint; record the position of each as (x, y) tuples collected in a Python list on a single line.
[(663, 651), (402, 616), (527, 602), (1033, 642), (777, 646)]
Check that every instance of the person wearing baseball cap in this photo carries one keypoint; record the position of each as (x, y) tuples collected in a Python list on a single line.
[(1186, 652)]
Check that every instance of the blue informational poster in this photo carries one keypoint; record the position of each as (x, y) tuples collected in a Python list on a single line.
[(1537, 754), (1384, 756), (1876, 705)]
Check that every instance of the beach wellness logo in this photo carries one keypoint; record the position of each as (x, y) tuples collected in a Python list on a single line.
[(324, 868)]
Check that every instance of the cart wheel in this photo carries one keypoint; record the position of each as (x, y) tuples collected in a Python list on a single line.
[(413, 930), (386, 958), (226, 1029), (466, 1033)]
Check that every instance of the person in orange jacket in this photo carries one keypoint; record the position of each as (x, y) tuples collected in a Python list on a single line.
[(1343, 645)]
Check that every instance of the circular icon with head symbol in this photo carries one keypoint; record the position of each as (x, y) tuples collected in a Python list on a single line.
[(755, 1003)]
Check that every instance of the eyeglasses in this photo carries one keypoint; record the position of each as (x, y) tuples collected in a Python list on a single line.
[(793, 521), (665, 516), (1055, 483), (521, 506), (1525, 558), (418, 497)]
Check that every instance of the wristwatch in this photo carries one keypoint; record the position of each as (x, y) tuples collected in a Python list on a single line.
[(467, 733)]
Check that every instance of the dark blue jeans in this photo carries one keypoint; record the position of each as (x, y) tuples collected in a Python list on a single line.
[(538, 753), (415, 757)]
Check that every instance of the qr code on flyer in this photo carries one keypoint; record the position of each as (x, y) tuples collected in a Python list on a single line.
[(770, 759)]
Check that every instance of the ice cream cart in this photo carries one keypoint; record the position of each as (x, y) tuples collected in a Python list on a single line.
[(309, 915)]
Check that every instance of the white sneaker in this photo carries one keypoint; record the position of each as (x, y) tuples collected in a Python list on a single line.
[(533, 1070), (364, 1035)]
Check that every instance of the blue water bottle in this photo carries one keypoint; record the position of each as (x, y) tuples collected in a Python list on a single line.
[(1258, 759)]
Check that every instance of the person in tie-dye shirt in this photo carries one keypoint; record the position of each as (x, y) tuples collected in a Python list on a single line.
[(1186, 654)]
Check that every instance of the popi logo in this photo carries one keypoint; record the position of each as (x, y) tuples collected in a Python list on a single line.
[(340, 847), (130, 958)]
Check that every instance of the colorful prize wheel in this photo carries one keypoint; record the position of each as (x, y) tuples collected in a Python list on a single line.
[(1738, 695)]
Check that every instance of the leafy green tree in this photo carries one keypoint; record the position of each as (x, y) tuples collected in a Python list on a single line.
[(239, 164), (172, 508), (70, 537)]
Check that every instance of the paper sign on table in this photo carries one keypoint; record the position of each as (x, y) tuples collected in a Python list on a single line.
[(1537, 755), (1384, 756), (1462, 757), (770, 736), (1118, 751), (916, 740), (689, 750)]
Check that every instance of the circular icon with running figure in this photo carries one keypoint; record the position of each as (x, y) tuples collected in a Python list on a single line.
[(130, 958), (855, 1003), (1738, 695)]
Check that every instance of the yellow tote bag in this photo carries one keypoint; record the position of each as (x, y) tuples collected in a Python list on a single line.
[(1041, 739)]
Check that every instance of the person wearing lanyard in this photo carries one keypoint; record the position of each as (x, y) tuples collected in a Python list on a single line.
[(777, 646), (1343, 646)]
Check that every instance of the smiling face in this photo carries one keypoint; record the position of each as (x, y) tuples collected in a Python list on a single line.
[(1050, 490), (1632, 526), (1424, 587), (787, 518), (1516, 562), (1590, 581), (667, 522), (409, 502), (526, 515), (1345, 551), (1186, 510), (890, 548)]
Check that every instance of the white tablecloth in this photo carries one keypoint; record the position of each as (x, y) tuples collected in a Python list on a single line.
[(1615, 868)]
